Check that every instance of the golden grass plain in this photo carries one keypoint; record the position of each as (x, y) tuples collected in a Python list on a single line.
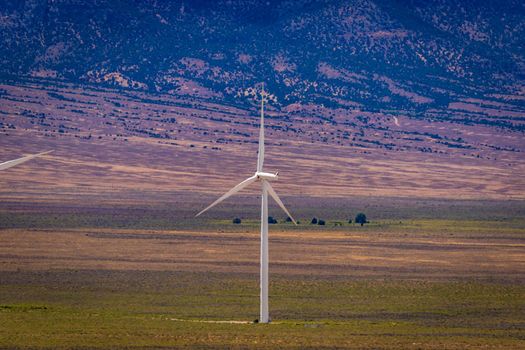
[(321, 253)]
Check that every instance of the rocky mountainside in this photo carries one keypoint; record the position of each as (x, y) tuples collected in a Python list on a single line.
[(381, 54)]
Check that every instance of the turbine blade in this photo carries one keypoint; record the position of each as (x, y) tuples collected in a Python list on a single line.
[(12, 163), (260, 156), (274, 195), (230, 193)]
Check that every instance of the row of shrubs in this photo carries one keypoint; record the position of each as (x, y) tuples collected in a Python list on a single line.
[(359, 219)]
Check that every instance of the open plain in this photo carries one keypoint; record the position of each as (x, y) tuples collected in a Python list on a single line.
[(115, 276)]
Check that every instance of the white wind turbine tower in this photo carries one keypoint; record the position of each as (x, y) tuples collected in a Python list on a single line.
[(264, 178), (12, 163)]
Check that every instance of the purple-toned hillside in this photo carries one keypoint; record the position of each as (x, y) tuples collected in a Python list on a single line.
[(426, 89), (382, 54)]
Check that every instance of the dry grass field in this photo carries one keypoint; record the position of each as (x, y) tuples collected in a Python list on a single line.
[(374, 253), (422, 275)]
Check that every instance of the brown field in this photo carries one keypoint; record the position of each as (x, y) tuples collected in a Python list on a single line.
[(407, 238), (111, 273), (371, 254)]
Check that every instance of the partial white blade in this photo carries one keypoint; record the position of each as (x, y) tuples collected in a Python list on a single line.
[(230, 193), (274, 195), (260, 156), (12, 163)]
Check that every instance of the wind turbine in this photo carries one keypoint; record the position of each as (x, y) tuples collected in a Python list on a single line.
[(264, 178), (12, 163)]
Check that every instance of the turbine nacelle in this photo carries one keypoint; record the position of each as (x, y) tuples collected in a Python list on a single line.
[(260, 175)]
